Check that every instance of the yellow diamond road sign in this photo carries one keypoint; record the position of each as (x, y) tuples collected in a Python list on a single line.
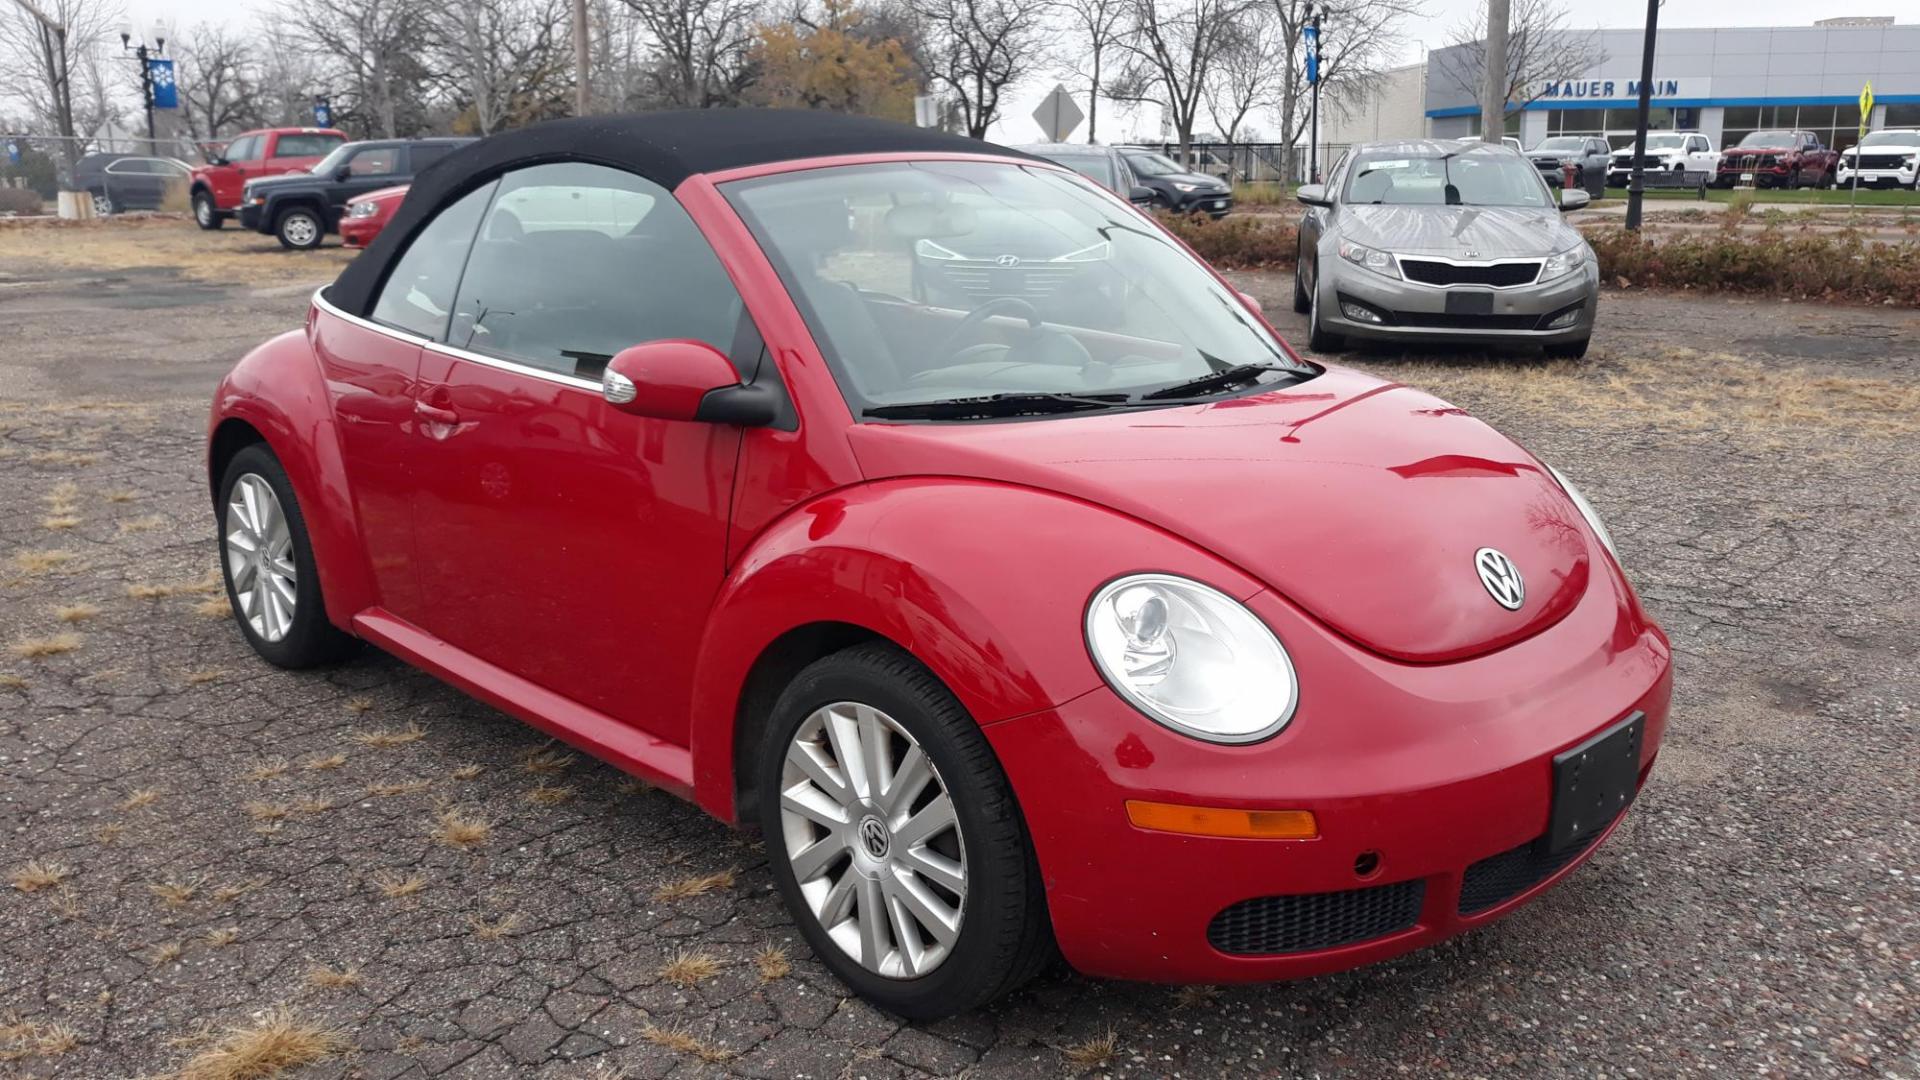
[(1866, 108)]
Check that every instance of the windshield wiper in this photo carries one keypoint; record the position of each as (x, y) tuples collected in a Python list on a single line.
[(1213, 380), (995, 405)]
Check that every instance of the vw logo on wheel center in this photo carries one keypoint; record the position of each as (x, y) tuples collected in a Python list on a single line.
[(873, 837), (1501, 577)]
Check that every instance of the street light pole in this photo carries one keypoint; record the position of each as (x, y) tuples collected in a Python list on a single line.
[(141, 55), (1634, 186), (1313, 66)]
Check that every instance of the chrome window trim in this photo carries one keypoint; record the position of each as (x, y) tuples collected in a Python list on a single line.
[(571, 382), (1537, 264)]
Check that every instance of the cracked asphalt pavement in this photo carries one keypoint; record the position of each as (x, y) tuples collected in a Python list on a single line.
[(192, 838)]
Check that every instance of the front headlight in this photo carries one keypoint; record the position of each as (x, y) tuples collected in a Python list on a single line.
[(1191, 657), (1377, 261), (1564, 263), (365, 209), (927, 249), (1178, 186), (1586, 511)]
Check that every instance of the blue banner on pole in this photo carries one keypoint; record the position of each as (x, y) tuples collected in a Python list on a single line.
[(165, 94), (13, 152), (1312, 35), (322, 114)]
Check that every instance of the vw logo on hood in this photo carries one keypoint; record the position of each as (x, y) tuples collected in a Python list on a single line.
[(1501, 578)]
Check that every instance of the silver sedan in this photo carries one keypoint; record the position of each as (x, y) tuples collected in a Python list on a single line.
[(1437, 240)]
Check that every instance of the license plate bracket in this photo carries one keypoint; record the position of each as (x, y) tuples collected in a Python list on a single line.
[(1469, 303), (1594, 782)]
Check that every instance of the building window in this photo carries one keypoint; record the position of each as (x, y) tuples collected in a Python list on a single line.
[(1837, 126), (1902, 116)]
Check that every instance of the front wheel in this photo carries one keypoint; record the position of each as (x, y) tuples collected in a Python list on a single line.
[(1320, 341), (1301, 305), (299, 229), (205, 214), (267, 561), (895, 838)]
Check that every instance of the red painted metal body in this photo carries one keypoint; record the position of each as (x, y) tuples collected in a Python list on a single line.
[(359, 231), (613, 580), (225, 180)]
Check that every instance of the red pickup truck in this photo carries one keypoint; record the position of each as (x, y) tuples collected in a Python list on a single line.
[(1786, 159), (215, 188)]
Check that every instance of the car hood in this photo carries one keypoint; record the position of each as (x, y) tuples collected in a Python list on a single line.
[(284, 180), (1490, 232), (1192, 178), (1363, 502), (386, 194), (1738, 151), (1908, 147)]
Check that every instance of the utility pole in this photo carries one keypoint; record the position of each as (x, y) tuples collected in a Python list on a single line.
[(1493, 92), (582, 90), (141, 56), (1634, 187), (1313, 80), (53, 47)]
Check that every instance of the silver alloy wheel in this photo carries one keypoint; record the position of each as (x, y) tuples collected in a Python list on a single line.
[(872, 838), (299, 229), (260, 557), (102, 204), (203, 210)]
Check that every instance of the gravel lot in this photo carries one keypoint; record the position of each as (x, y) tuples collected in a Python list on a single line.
[(208, 838)]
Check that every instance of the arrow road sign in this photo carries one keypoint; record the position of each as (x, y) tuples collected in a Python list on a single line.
[(1058, 115)]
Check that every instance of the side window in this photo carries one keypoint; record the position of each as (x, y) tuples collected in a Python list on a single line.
[(376, 161), (305, 145), (576, 262), (247, 149), (421, 155), (419, 290)]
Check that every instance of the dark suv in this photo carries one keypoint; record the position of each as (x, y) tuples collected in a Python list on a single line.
[(1177, 189), (1588, 154), (302, 208)]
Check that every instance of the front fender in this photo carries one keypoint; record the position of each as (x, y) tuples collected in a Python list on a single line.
[(278, 391), (984, 583)]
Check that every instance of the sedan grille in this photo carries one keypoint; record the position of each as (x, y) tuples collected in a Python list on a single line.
[(1433, 272), (1750, 162), (1270, 925), (1497, 879), (1647, 161), (1882, 161), (981, 278)]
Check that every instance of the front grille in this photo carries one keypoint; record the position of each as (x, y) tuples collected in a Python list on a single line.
[(1750, 162), (1431, 272), (1647, 161), (979, 278), (1882, 161), (1498, 878), (1441, 321), (1270, 925)]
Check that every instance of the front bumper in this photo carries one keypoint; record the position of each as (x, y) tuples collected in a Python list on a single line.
[(1217, 203), (1418, 312), (1843, 177), (359, 232), (253, 216), (1441, 774)]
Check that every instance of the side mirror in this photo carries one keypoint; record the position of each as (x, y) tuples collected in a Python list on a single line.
[(1313, 195), (1140, 195), (218, 159), (684, 380), (340, 174), (1253, 302), (1574, 199)]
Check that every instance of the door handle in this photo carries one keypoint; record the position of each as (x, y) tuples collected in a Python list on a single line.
[(434, 414)]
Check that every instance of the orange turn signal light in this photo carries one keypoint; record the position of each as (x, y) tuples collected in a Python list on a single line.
[(1215, 821)]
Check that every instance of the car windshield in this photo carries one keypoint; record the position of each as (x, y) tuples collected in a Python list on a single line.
[(1475, 177), (1664, 142), (1769, 138), (333, 160), (1891, 138), (929, 282), (1563, 142), (1095, 167), (1153, 165)]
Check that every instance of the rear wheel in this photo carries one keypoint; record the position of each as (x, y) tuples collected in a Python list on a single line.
[(895, 839), (299, 229), (268, 565), (103, 204), (205, 214)]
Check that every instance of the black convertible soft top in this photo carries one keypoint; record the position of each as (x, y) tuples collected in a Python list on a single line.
[(664, 147)]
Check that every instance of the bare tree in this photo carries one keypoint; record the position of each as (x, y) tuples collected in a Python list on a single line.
[(617, 44), (1247, 75), (1172, 46), (377, 46), (506, 61), (1541, 43), (219, 90), (46, 49), (1358, 40), (1097, 27), (976, 49), (700, 48)]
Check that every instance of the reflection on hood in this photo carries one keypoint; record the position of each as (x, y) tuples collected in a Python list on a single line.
[(1489, 232)]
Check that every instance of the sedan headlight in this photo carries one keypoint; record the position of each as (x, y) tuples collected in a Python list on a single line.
[(1188, 188), (1564, 263), (365, 209), (1377, 261), (1586, 511), (1191, 657)]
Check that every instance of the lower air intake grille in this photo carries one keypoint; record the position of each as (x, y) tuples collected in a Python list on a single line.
[(1290, 924), (1498, 878)]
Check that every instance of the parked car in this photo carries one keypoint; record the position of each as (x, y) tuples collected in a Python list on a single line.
[(1889, 158), (1437, 240), (1101, 164), (1784, 159), (302, 209), (131, 181), (1667, 151), (367, 214), (1181, 190), (216, 186), (1588, 154), (1141, 637)]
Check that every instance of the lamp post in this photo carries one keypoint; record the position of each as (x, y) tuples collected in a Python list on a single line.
[(1313, 79), (1634, 187), (141, 54)]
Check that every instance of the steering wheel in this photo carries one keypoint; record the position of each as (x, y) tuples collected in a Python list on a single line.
[(971, 322)]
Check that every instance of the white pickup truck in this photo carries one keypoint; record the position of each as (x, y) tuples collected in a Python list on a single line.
[(1667, 151), (1889, 157)]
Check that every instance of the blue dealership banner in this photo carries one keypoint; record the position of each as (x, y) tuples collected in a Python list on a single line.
[(1312, 34), (165, 94)]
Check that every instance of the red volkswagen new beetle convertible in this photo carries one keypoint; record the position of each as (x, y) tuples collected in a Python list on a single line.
[(927, 507)]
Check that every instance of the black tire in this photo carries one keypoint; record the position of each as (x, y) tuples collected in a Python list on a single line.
[(1320, 341), (1570, 350), (299, 228), (1826, 180), (1005, 937), (205, 213), (103, 203), (1301, 305), (311, 640)]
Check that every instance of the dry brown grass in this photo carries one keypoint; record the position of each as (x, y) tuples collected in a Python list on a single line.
[(60, 522), (331, 761), (1194, 996), (10, 681), (773, 963), (682, 1041), (62, 457), (260, 810), (391, 737), (403, 787), (468, 771), (173, 893), (143, 524), (1095, 1053), (202, 678), (109, 833), (138, 798), (690, 967), (321, 977), (165, 953), (696, 885), (223, 936), (268, 769), (213, 607), (222, 256), (39, 648), (313, 804), (121, 496), (551, 794), (397, 886), (73, 613), (39, 874), (496, 929), (270, 1046), (20, 1039), (359, 706), (66, 903), (42, 562), (456, 828), (227, 894), (547, 762)]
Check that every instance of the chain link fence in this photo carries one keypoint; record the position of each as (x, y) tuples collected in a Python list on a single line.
[(1252, 164)]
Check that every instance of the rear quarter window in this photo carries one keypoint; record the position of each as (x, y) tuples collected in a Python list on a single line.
[(306, 145)]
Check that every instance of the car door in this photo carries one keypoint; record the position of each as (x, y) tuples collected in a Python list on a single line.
[(369, 169), (568, 543), (1700, 156)]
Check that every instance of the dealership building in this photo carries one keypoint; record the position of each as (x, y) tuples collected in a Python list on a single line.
[(1725, 83)]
